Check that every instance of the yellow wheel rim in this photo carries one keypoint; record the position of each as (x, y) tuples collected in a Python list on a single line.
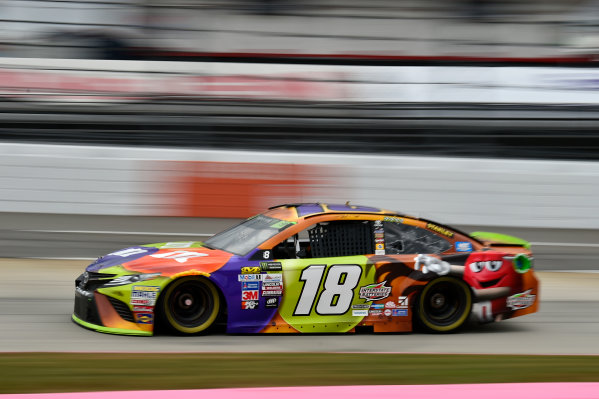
[(445, 304), (191, 305)]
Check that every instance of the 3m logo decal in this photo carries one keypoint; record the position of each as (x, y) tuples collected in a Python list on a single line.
[(249, 295)]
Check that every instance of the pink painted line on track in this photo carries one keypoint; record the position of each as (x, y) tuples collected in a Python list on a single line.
[(575, 390)]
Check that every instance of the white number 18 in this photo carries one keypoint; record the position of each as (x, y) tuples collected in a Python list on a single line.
[(338, 291)]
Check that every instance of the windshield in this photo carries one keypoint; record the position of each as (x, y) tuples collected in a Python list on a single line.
[(244, 237)]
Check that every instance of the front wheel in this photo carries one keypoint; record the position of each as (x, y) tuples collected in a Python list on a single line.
[(190, 305), (444, 305)]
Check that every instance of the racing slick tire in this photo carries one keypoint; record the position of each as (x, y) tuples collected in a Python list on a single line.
[(189, 305), (444, 305)]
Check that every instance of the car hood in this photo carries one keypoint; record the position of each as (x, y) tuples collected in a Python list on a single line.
[(168, 259)]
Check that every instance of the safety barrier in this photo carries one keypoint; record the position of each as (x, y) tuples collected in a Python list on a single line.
[(173, 182)]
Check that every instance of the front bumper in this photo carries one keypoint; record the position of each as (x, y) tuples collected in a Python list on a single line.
[(106, 314)]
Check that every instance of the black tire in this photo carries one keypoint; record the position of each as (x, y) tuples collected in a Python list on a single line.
[(444, 305), (189, 305)]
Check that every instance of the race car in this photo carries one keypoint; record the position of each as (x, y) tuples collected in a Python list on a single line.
[(311, 268)]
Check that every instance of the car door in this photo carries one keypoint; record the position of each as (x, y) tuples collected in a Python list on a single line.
[(324, 275)]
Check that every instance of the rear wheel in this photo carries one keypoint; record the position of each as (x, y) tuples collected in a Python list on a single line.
[(190, 305), (444, 305)]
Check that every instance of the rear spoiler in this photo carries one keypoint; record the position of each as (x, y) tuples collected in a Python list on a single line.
[(500, 240)]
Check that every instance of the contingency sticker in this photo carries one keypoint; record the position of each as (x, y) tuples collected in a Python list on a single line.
[(144, 295), (521, 301), (379, 238), (375, 292), (144, 318)]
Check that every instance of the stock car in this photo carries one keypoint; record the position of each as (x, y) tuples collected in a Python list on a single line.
[(311, 267)]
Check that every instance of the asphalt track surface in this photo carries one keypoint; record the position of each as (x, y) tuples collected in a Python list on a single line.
[(36, 295)]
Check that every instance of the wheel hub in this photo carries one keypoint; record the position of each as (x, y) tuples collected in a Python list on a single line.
[(438, 301), (186, 301)]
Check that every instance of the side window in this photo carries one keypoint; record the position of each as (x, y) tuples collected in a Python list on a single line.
[(328, 239), (341, 238), (406, 239)]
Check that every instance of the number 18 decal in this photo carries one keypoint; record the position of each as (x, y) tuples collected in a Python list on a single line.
[(337, 293)]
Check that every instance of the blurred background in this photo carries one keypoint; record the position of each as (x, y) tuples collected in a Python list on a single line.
[(477, 113)]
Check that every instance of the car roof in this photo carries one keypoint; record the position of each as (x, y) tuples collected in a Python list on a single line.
[(309, 210), (306, 210)]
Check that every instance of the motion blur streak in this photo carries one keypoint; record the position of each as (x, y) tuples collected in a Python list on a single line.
[(134, 29)]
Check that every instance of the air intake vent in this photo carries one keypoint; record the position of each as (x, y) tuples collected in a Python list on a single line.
[(122, 309)]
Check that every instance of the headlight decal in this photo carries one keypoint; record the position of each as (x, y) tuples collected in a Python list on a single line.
[(129, 279)]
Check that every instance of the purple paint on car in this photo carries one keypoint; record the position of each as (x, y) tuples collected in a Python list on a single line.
[(309, 209), (352, 208), (119, 257)]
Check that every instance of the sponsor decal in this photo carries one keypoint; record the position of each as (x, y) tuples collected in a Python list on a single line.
[(144, 295), (148, 288), (388, 312), (379, 235), (521, 301), (375, 312), (271, 266), (280, 224), (143, 308), (375, 292), (359, 312), (379, 240), (272, 302), (402, 302), (399, 312), (361, 306), (80, 291), (249, 277), (250, 270), (272, 277), (378, 223), (272, 289), (377, 306), (249, 305), (137, 301), (439, 229), (463, 246), (252, 295), (393, 219), (379, 252), (379, 246), (275, 285), (250, 285), (144, 318), (272, 293), (390, 305)]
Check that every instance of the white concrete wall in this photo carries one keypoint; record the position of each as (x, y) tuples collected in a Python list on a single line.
[(102, 80), (138, 181)]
